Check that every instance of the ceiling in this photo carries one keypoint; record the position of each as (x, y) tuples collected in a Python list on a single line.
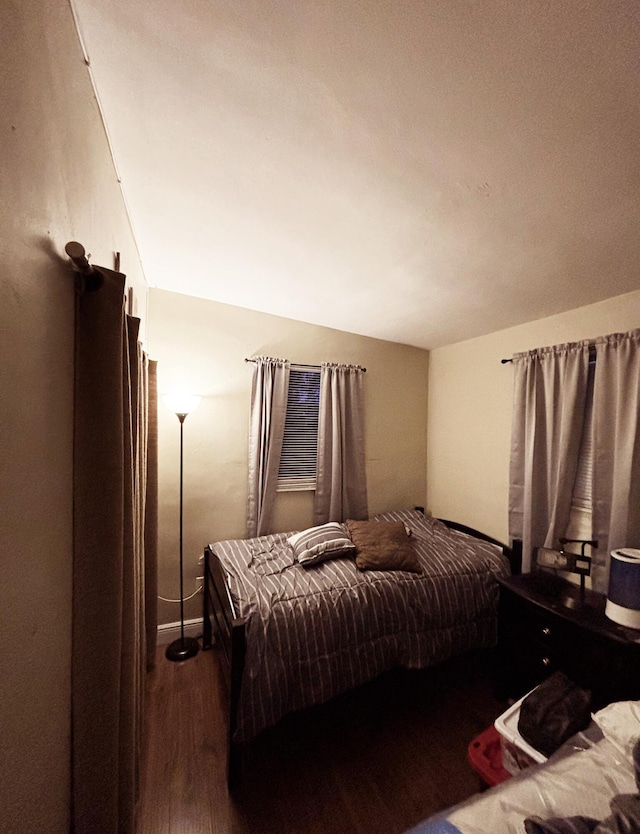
[(420, 171)]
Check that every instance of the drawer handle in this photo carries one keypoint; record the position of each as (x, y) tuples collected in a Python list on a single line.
[(546, 661), (546, 631)]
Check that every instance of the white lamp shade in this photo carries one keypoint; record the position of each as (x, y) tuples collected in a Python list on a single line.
[(181, 402)]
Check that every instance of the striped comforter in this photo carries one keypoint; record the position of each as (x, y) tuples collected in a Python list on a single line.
[(315, 632)]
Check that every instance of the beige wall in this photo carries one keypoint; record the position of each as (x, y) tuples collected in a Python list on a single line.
[(203, 344), (470, 399), (57, 184)]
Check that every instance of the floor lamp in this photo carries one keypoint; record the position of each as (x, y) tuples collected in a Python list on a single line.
[(184, 647)]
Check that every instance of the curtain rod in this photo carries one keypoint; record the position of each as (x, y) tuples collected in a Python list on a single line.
[(299, 365), (91, 279), (78, 258), (592, 354)]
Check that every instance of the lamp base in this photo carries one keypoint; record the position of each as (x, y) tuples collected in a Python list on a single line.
[(182, 649)]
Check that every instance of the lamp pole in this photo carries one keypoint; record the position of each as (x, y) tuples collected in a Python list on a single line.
[(184, 647)]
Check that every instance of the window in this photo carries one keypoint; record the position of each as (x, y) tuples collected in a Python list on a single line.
[(300, 445)]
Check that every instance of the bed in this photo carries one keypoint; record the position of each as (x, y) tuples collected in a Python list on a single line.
[(590, 779), (291, 634)]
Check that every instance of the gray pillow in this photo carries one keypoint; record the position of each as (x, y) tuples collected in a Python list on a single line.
[(322, 542)]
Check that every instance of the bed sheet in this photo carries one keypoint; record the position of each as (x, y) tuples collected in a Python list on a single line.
[(313, 633), (580, 779)]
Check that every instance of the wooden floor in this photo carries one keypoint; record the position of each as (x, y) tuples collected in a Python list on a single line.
[(374, 761)]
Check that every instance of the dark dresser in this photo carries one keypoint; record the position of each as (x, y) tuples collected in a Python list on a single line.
[(546, 624)]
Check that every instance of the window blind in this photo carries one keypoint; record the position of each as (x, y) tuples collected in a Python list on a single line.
[(297, 469), (582, 486)]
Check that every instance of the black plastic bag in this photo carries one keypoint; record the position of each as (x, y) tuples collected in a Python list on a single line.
[(553, 712)]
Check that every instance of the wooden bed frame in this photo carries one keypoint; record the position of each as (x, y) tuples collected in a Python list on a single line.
[(223, 627)]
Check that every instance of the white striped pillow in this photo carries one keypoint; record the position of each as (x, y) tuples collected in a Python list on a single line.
[(323, 542)]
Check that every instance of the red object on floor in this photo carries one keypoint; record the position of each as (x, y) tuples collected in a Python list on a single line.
[(485, 757)]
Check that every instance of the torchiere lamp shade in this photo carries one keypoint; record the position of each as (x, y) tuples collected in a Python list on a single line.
[(181, 402)]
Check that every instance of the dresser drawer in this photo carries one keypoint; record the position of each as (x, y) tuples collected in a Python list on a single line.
[(529, 665), (526, 622)]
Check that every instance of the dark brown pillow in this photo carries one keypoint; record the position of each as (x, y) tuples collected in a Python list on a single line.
[(383, 545)]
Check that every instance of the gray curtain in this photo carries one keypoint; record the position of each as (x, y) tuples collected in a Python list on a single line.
[(550, 387), (268, 412), (616, 478), (341, 485), (114, 558)]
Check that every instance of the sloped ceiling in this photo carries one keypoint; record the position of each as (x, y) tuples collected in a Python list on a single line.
[(422, 171)]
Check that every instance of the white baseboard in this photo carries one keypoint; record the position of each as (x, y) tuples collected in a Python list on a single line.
[(168, 632)]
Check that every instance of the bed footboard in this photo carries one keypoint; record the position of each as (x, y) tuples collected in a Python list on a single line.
[(223, 628)]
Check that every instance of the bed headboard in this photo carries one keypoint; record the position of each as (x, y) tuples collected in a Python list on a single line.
[(513, 552)]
